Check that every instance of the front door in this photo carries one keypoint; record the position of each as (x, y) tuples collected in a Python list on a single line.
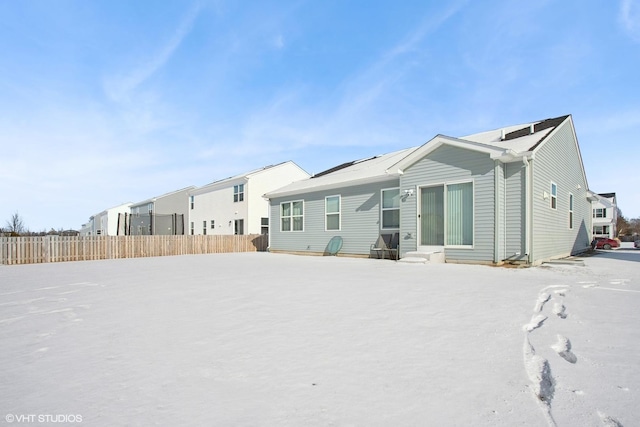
[(431, 218)]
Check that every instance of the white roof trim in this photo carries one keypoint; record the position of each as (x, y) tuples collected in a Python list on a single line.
[(505, 155)]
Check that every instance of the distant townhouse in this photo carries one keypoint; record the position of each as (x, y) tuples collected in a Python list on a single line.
[(605, 215), (517, 194), (106, 222), (161, 215), (235, 205)]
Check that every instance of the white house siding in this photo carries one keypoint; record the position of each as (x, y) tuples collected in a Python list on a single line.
[(558, 160), (515, 179), (218, 205), (448, 164), (106, 222), (215, 201), (268, 180), (359, 215), (609, 221)]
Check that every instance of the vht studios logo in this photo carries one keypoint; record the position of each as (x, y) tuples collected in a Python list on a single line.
[(43, 418)]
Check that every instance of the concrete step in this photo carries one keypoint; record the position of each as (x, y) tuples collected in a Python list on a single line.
[(416, 257)]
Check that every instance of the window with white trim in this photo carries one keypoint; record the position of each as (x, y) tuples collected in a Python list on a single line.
[(554, 195), (332, 213), (192, 228), (292, 216), (600, 213), (390, 207), (570, 211), (601, 229), (213, 224), (204, 227), (238, 193), (192, 201)]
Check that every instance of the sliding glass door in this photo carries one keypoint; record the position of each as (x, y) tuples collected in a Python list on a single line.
[(446, 215)]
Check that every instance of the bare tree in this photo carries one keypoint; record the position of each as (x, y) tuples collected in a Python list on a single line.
[(15, 226), (622, 224)]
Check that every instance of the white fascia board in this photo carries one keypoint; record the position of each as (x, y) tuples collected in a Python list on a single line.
[(439, 141), (591, 196), (219, 185)]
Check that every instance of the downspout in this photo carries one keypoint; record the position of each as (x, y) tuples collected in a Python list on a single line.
[(496, 219), (269, 225), (528, 207)]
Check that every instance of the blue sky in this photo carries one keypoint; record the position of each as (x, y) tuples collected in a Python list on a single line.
[(106, 102)]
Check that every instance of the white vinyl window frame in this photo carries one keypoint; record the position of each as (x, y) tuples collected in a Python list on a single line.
[(385, 208), (600, 213), (292, 216), (333, 214), (238, 193), (570, 211), (553, 195)]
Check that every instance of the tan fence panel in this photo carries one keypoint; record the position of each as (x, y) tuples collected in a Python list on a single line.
[(41, 249)]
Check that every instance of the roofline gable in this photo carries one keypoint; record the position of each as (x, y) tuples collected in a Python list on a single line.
[(567, 119), (241, 178), (438, 141)]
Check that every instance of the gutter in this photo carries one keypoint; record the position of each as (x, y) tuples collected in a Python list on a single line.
[(333, 185)]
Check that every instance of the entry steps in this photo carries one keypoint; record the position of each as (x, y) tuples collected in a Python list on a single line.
[(419, 257)]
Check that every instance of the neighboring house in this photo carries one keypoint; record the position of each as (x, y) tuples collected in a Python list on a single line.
[(105, 223), (605, 215), (515, 194), (161, 215), (235, 205), (87, 228)]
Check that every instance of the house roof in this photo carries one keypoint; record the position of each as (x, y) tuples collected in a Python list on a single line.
[(606, 199), (240, 177), (371, 169), (607, 195), (153, 199), (510, 143), (507, 144)]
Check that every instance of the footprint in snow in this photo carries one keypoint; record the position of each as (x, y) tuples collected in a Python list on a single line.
[(608, 421), (542, 299), (559, 310), (535, 323), (563, 348)]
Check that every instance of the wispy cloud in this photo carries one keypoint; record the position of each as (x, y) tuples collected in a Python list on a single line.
[(630, 18), (357, 113), (278, 41), (120, 87)]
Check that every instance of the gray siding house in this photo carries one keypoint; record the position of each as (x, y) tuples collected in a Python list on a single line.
[(161, 215), (517, 194)]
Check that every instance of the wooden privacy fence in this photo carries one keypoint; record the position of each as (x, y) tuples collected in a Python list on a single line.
[(40, 249)]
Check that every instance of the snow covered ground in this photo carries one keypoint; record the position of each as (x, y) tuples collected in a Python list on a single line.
[(260, 339)]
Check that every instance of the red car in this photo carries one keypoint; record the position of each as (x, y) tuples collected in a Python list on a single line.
[(604, 243)]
